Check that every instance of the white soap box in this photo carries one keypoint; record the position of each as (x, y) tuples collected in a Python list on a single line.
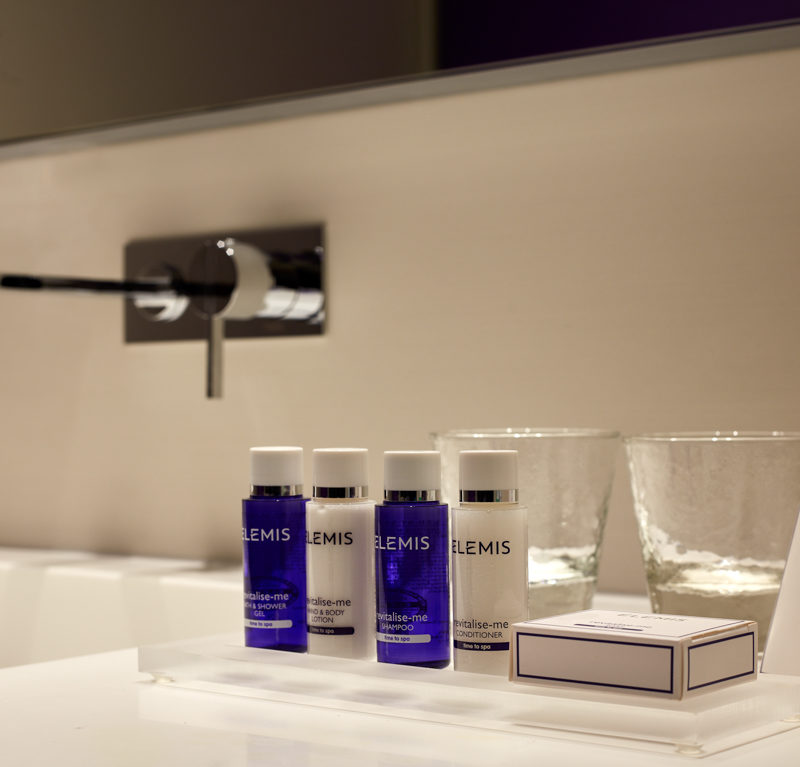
[(669, 656)]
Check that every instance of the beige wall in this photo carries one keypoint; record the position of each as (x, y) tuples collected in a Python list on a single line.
[(613, 251)]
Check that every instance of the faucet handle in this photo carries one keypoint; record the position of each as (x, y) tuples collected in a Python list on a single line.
[(216, 335), (241, 267), (244, 270)]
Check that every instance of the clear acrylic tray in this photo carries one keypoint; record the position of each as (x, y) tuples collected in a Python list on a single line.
[(695, 727)]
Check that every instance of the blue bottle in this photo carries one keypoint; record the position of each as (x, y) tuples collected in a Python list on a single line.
[(412, 563), (273, 537)]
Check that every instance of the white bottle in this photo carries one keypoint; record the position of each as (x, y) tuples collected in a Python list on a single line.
[(490, 561), (340, 556)]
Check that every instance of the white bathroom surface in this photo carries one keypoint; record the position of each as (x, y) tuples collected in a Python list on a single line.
[(59, 604), (99, 711)]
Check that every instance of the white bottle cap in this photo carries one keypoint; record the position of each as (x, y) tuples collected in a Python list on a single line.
[(339, 472), (412, 475), (488, 476), (276, 470)]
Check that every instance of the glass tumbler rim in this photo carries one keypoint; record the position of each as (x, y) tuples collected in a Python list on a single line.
[(526, 432), (714, 436)]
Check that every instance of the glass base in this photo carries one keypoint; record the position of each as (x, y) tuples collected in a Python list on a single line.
[(695, 727), (557, 597), (690, 597)]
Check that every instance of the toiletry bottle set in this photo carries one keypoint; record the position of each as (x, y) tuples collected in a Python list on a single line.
[(367, 577)]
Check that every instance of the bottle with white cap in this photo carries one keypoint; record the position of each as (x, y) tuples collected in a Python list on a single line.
[(412, 562), (340, 556), (490, 561), (273, 536)]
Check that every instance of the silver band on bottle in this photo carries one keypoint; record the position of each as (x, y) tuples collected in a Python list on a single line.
[(488, 496), (275, 491), (411, 496), (357, 491)]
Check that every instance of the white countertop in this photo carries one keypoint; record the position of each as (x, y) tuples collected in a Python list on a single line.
[(99, 711)]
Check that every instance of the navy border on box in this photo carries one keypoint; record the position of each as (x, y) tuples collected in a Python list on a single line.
[(752, 636), (544, 622), (670, 648)]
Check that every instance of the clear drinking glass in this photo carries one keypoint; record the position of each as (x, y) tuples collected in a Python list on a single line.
[(716, 511), (565, 478)]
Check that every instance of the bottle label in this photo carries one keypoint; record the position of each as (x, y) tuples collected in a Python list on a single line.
[(329, 537), (481, 548), (404, 638), (255, 624), (332, 630), (402, 542), (405, 619), (481, 636), (490, 589), (411, 550), (274, 572), (326, 615), (268, 608), (332, 617)]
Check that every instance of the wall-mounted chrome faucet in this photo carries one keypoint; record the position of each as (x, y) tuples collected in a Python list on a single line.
[(248, 284)]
